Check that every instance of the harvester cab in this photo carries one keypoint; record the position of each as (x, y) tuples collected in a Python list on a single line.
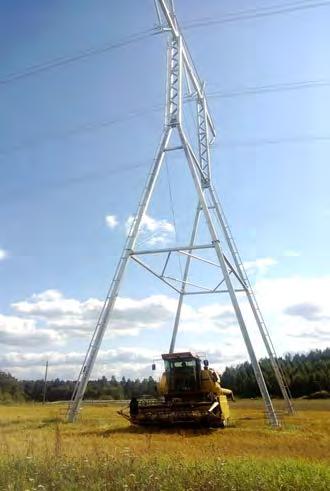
[(182, 376), (186, 393)]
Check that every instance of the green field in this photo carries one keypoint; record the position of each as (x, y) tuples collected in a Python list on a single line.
[(39, 450)]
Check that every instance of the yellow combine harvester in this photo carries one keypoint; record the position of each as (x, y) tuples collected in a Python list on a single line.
[(187, 394)]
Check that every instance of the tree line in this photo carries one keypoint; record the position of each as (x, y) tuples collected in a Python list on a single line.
[(305, 374)]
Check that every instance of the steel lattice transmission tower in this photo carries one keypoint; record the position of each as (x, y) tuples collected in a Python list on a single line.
[(230, 265)]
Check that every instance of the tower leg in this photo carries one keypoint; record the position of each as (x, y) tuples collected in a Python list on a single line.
[(109, 303), (270, 412), (252, 301)]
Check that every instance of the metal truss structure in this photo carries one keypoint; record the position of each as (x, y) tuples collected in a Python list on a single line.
[(233, 278)]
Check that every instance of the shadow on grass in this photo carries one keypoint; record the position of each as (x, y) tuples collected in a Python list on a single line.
[(15, 426), (186, 431), (49, 422)]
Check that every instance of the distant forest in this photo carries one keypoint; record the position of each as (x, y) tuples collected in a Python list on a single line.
[(305, 374)]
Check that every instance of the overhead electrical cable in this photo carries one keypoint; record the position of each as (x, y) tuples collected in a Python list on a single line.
[(79, 129), (258, 142), (275, 9), (81, 55), (260, 89), (18, 194), (98, 125)]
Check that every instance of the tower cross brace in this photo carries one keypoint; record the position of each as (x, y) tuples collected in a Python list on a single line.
[(179, 64)]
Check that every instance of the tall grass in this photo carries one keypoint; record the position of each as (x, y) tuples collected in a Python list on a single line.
[(39, 450), (126, 472)]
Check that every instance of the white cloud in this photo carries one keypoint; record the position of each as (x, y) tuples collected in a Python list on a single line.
[(153, 231), (111, 221), (219, 358), (296, 310), (259, 266), (47, 302), (149, 312), (292, 253), (128, 361), (299, 308), (209, 318), (294, 305), (306, 310), (73, 317), (21, 331), (118, 355), (3, 254), (49, 317), (132, 362)]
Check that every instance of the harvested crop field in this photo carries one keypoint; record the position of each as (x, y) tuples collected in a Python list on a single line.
[(39, 450)]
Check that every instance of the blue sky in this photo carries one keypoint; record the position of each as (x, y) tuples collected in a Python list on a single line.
[(58, 182)]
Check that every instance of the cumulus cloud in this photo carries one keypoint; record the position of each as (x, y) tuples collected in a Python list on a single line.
[(300, 308), (15, 330), (208, 318), (306, 310), (153, 231), (259, 266), (292, 253), (151, 311), (49, 317), (320, 333), (128, 362), (132, 362), (113, 356), (3, 254), (111, 221), (296, 310), (224, 356), (51, 304), (71, 316)]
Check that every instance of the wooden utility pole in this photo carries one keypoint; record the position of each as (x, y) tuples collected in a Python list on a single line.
[(45, 384)]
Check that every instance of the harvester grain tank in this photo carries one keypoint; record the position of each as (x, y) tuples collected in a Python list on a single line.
[(187, 393)]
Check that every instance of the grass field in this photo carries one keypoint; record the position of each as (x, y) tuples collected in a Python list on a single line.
[(39, 450)]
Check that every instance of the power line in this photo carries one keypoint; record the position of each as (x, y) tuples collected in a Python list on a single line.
[(276, 9), (258, 142), (139, 36), (98, 125), (58, 62), (261, 89), (79, 129), (18, 194)]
